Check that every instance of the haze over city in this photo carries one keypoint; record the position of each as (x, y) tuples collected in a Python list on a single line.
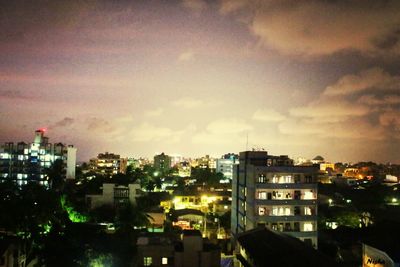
[(201, 77)]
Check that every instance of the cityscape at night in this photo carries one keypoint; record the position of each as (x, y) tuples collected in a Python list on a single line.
[(200, 133)]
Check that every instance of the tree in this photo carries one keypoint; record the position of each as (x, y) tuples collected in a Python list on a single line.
[(56, 175), (132, 216)]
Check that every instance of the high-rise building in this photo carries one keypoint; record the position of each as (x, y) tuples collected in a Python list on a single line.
[(225, 165), (108, 164), (162, 162), (24, 162), (270, 191)]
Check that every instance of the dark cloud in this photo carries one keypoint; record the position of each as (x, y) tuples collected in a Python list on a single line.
[(99, 125), (315, 27), (14, 94), (67, 121)]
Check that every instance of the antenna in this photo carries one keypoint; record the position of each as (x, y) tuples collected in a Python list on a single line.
[(247, 141)]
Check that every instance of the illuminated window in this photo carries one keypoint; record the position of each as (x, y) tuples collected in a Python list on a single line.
[(307, 211), (164, 261), (309, 195), (262, 179), (147, 261), (261, 211), (308, 227), (287, 179), (262, 195)]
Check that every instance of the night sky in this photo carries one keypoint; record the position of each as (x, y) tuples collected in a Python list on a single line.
[(198, 77)]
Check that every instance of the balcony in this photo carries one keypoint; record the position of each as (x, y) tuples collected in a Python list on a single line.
[(290, 218), (286, 186), (289, 202)]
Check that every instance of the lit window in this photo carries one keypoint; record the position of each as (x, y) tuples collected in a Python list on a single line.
[(147, 261), (164, 261), (309, 195), (261, 211), (308, 227), (261, 178), (307, 211), (262, 195)]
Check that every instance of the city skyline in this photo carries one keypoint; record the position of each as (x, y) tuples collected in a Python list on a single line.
[(196, 77)]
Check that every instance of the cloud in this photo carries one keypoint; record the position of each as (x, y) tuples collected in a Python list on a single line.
[(232, 6), (373, 100), (315, 28), (154, 113), (14, 94), (195, 5), (299, 127), (223, 132), (350, 109), (146, 132), (375, 78), (228, 126), (188, 102), (67, 121), (390, 118), (268, 115), (186, 56), (328, 110), (99, 125)]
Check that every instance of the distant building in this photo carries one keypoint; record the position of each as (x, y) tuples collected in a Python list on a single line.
[(114, 195), (207, 202), (270, 191), (184, 169), (204, 162), (22, 162), (162, 162), (225, 165), (191, 250), (176, 159), (108, 164), (318, 160)]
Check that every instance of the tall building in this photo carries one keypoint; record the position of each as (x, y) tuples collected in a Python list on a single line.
[(270, 191), (108, 164), (162, 162), (24, 162), (225, 165)]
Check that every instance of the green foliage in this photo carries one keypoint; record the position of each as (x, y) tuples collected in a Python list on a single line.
[(348, 218), (30, 210), (206, 176), (56, 174), (132, 216), (73, 215)]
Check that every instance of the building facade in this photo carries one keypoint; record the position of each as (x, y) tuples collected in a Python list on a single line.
[(270, 191), (192, 250), (108, 164), (225, 165), (162, 162), (22, 162), (114, 195)]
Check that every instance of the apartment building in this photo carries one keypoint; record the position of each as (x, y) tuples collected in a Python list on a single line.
[(24, 162), (270, 191), (108, 164)]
